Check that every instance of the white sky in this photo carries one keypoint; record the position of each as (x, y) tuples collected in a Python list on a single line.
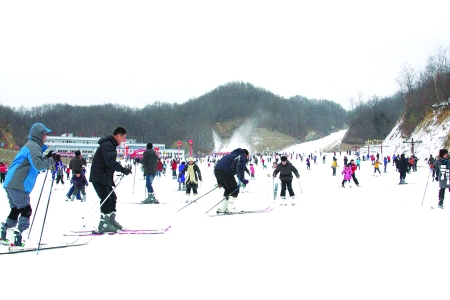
[(138, 52)]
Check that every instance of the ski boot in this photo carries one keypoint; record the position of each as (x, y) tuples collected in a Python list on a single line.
[(3, 239), (231, 208), (113, 222), (18, 239), (223, 207), (150, 199), (104, 225)]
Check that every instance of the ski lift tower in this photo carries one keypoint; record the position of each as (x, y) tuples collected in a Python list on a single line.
[(412, 142)]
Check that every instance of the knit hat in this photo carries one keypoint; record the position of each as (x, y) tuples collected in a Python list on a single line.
[(442, 152), (190, 158)]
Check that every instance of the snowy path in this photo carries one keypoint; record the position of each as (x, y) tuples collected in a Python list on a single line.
[(373, 242)]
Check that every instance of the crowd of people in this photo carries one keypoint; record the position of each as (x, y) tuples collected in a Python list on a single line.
[(229, 172)]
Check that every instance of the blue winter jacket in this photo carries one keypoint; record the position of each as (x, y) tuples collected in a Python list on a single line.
[(233, 163), (29, 161)]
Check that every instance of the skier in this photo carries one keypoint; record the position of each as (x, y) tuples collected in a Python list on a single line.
[(181, 177), (149, 162), (431, 161), (193, 175), (376, 167), (402, 165), (174, 169), (334, 166), (442, 167), (252, 171), (347, 172), (3, 170), (285, 168), (76, 164), (80, 182), (59, 170), (104, 164), (354, 167), (21, 178), (226, 168)]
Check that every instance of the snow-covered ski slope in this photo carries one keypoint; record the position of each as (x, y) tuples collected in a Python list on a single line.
[(373, 242)]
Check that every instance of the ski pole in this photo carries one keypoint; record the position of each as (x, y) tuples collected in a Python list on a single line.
[(300, 184), (426, 186), (45, 217), (224, 198), (198, 198), (104, 200), (37, 205)]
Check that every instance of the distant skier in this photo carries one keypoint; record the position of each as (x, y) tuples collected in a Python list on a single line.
[(285, 168), (193, 176), (442, 167), (402, 166)]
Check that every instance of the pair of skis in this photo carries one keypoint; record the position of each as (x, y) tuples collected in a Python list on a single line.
[(120, 232), (266, 210), (11, 249)]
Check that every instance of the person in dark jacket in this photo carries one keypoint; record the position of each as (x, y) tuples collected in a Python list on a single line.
[(76, 164), (104, 164), (80, 182), (193, 175), (21, 178), (149, 161), (442, 167), (402, 166), (226, 168), (285, 168)]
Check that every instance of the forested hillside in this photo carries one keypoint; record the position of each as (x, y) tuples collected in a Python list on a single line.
[(194, 119), (418, 91)]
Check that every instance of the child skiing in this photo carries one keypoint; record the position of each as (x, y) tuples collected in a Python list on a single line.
[(347, 172), (79, 181)]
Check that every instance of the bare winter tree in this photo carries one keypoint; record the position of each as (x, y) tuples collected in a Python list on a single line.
[(405, 80), (437, 66)]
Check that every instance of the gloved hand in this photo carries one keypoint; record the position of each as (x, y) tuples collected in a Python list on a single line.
[(245, 181), (200, 178), (274, 176), (298, 176), (49, 154), (219, 185), (126, 171)]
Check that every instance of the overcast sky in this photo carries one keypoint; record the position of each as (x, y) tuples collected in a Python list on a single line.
[(138, 52)]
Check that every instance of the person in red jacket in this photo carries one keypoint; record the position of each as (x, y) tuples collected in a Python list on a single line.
[(174, 169), (3, 170), (354, 167), (159, 167)]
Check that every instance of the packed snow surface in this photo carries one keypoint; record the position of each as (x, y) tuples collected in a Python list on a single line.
[(377, 241)]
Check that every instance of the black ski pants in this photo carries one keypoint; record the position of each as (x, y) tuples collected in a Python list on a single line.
[(287, 184), (109, 205), (228, 182), (354, 179)]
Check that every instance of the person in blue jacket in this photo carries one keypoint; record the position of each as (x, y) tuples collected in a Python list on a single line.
[(229, 166), (21, 178), (181, 177)]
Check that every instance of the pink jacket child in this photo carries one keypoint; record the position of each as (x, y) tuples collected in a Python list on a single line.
[(252, 171), (347, 172)]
